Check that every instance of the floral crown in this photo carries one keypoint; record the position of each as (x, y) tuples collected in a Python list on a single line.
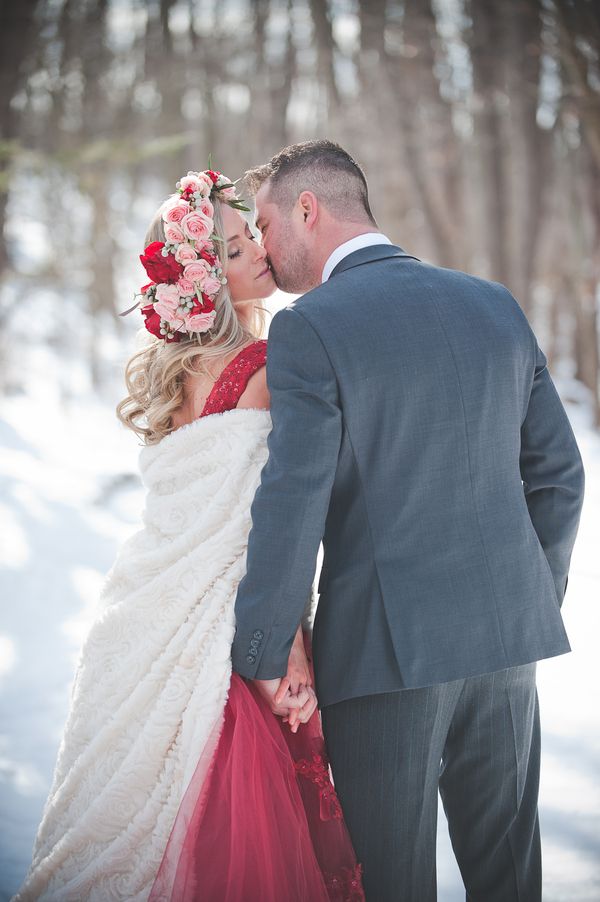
[(185, 269)]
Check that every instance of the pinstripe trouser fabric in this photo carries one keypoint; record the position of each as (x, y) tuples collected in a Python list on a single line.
[(476, 740)]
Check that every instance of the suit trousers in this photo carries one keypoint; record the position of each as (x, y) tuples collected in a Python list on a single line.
[(477, 740)]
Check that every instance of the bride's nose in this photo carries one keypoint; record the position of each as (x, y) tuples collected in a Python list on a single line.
[(260, 252)]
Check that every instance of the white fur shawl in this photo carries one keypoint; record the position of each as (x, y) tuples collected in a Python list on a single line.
[(154, 672)]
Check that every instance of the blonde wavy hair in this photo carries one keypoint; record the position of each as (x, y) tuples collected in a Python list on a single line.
[(155, 375)]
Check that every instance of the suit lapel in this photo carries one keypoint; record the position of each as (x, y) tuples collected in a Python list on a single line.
[(370, 254)]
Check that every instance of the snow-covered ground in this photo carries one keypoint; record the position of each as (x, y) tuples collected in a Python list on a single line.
[(69, 495)]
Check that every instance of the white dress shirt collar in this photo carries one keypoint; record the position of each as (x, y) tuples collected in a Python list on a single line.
[(348, 247)]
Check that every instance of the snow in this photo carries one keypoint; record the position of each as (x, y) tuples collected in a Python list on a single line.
[(70, 494)]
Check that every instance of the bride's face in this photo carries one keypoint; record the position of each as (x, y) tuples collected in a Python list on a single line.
[(249, 276)]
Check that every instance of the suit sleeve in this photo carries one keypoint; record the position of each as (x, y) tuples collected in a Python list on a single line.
[(552, 473), (290, 505)]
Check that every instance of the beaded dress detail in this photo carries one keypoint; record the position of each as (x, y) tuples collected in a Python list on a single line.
[(263, 823), (234, 378)]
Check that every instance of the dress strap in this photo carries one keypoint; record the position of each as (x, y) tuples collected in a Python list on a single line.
[(234, 378)]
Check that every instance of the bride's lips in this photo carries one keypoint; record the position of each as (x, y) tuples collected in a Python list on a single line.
[(264, 272)]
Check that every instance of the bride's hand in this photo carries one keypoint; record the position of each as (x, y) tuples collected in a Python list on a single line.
[(301, 715), (298, 672), (282, 703)]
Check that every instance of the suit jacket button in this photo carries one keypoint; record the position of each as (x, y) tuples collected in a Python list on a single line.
[(258, 634), (251, 659), (254, 643)]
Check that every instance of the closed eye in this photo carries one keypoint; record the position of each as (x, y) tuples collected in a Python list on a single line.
[(237, 253)]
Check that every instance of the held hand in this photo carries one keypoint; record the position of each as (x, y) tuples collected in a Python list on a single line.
[(303, 714), (298, 673), (281, 703)]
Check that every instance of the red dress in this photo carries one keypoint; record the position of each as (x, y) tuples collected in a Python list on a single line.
[(264, 824)]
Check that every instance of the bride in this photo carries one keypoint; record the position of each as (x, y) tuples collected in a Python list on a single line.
[(174, 780)]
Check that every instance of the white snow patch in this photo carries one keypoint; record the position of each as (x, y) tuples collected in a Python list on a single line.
[(14, 548), (87, 584), (8, 655), (70, 495)]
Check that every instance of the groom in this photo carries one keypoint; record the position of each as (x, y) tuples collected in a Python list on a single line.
[(417, 432)]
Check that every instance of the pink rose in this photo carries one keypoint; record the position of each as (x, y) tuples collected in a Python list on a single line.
[(227, 193), (186, 288), (211, 285), (185, 254), (176, 212), (205, 207), (197, 226), (191, 181), (203, 244), (167, 301), (200, 322), (206, 183), (166, 292), (196, 272), (174, 234)]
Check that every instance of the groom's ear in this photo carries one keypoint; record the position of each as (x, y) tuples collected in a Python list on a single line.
[(309, 208)]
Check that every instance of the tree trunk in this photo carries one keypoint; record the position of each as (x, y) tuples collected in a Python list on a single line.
[(486, 42), (19, 24)]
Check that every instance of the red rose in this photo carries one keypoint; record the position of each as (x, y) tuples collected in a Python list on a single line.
[(211, 259), (213, 175), (152, 320), (152, 323), (187, 193), (154, 248), (207, 305), (145, 288), (159, 268)]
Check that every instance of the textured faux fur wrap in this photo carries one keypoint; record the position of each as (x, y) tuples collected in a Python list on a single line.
[(154, 672)]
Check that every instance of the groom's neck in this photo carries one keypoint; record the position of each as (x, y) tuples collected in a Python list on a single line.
[(334, 236)]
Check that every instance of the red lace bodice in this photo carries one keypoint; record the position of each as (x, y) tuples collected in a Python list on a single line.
[(233, 379)]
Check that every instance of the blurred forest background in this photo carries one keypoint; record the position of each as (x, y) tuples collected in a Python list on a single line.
[(478, 124)]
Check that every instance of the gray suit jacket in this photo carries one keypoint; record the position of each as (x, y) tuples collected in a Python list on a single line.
[(417, 432)]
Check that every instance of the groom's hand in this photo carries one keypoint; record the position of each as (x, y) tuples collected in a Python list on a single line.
[(301, 715), (281, 701), (298, 674)]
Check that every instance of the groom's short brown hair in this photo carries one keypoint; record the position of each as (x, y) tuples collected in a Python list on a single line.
[(322, 167)]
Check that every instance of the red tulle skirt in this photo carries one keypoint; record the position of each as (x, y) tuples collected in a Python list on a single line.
[(260, 821)]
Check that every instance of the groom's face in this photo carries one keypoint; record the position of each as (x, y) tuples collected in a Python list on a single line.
[(284, 243)]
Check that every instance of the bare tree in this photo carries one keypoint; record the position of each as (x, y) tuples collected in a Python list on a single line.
[(465, 173)]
